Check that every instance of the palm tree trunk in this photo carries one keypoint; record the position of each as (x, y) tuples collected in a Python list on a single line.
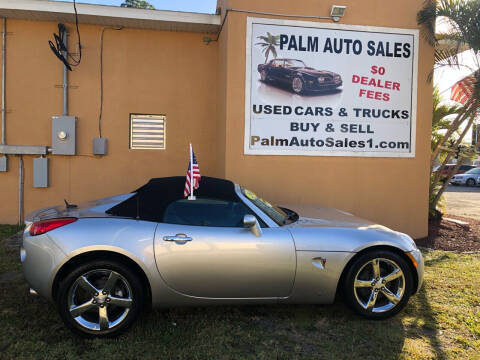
[(454, 127), (447, 181), (457, 166), (472, 112)]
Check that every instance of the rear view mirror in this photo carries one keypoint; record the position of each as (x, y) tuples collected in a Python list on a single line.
[(251, 222)]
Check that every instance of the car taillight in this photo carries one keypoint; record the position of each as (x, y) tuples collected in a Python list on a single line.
[(44, 226)]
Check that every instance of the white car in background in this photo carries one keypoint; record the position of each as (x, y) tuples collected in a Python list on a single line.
[(469, 178)]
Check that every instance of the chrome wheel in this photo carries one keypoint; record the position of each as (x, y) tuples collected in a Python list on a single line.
[(379, 285), (99, 299), (297, 85)]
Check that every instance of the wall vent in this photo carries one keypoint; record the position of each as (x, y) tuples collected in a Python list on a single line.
[(147, 132)]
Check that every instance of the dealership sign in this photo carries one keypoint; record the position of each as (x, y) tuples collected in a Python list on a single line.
[(330, 89)]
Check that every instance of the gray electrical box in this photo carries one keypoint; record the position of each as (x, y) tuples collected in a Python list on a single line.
[(40, 172), (3, 163), (100, 146), (63, 135)]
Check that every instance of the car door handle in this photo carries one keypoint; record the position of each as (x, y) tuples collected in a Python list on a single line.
[(178, 237)]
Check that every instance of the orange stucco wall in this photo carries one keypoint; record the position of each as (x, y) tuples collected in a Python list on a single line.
[(201, 90), (145, 71)]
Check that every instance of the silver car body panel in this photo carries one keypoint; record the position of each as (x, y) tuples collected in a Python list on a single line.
[(317, 276), (133, 239), (41, 259), (226, 262), (297, 263)]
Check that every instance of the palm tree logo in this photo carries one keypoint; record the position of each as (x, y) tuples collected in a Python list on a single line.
[(268, 45)]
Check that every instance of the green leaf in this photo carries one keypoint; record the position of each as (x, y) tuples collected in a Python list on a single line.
[(274, 51)]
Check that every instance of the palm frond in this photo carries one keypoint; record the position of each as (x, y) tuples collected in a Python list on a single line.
[(448, 56), (427, 17), (274, 51)]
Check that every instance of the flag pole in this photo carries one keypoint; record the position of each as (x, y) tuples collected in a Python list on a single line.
[(191, 196)]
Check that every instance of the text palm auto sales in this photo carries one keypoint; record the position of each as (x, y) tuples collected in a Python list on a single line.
[(345, 46)]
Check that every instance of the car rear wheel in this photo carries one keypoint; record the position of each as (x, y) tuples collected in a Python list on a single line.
[(378, 284), (100, 299), (297, 85), (471, 182)]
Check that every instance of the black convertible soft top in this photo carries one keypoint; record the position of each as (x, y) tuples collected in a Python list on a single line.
[(151, 199)]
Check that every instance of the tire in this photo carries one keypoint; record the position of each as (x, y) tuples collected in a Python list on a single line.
[(298, 86), (471, 182), (368, 295), (100, 314)]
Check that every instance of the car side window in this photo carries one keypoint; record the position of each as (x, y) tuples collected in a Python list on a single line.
[(206, 212)]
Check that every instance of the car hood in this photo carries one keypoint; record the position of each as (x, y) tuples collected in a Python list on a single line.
[(317, 216), (316, 73), (95, 208)]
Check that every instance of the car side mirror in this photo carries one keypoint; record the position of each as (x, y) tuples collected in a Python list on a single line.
[(251, 222)]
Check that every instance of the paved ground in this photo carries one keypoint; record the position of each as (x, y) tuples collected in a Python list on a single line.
[(463, 201)]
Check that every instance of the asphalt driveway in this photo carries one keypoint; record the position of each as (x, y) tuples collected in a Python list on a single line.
[(463, 201)]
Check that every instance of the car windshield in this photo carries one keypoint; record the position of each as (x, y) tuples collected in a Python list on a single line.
[(272, 211), (294, 63), (473, 171)]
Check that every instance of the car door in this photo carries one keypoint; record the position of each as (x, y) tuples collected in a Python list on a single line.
[(203, 250)]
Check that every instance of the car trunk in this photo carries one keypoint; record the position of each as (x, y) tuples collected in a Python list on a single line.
[(95, 208)]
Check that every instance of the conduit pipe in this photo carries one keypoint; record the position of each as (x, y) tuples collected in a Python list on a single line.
[(207, 39), (20, 190), (65, 77), (4, 39)]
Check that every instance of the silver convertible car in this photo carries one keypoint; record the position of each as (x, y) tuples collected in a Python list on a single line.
[(105, 261)]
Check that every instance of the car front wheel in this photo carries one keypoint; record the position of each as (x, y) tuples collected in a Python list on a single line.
[(378, 284), (471, 182), (101, 298), (297, 85)]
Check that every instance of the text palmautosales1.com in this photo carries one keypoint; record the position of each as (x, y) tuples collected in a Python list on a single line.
[(329, 142)]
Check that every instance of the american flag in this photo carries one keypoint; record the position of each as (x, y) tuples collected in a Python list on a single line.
[(196, 175), (463, 89)]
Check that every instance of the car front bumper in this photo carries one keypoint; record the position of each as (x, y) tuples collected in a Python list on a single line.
[(313, 85), (460, 181), (417, 255)]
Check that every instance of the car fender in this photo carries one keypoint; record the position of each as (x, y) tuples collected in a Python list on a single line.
[(349, 239), (324, 252), (103, 248), (130, 238)]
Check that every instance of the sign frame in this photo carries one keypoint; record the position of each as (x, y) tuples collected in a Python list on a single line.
[(319, 25)]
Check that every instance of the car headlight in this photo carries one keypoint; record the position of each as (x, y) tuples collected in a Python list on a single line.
[(321, 80)]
